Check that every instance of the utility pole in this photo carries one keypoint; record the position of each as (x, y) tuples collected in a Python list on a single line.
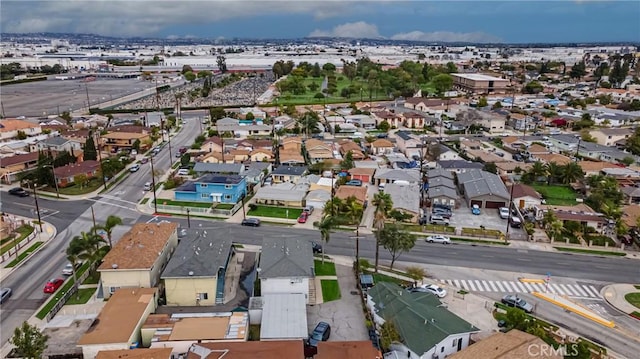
[(104, 181), (86, 87), (153, 183), (188, 218), (35, 197), (93, 217), (244, 211), (55, 181), (506, 236), (578, 148), (357, 238)]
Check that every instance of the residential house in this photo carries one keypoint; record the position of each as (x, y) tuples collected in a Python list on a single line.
[(381, 147), (386, 175), (213, 144), (424, 105), (255, 172), (631, 194), (592, 168), (597, 152), (137, 353), (242, 128), (202, 168), (138, 258), (284, 315), (288, 174), (560, 160), (117, 327), (261, 155), (11, 128), (213, 188), (407, 142), (413, 120), (216, 157), (286, 266), (483, 188), (521, 122), (609, 136), (564, 143), (196, 273), (123, 141), (317, 198), (446, 154), (614, 155), (491, 122), (426, 328), (586, 219), (286, 194), (247, 350), (11, 167), (359, 193), (316, 182), (363, 174), (367, 164), (65, 175), (405, 198), (364, 121), (459, 166), (57, 144), (525, 197), (511, 167), (347, 349), (254, 144), (393, 119), (347, 146), (536, 149), (512, 344), (441, 187), (291, 151), (318, 151)]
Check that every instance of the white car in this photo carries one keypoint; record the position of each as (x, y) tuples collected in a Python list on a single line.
[(438, 239), (435, 290), (183, 172), (504, 212), (134, 168)]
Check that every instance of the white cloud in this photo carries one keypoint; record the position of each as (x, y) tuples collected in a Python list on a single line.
[(446, 36), (358, 29)]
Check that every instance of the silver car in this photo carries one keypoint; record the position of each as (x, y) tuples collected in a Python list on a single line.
[(513, 301), (438, 239)]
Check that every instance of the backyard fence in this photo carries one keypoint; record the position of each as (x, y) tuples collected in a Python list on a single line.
[(65, 297), (16, 249)]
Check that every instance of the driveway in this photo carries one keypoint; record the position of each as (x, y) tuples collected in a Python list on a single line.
[(488, 217), (344, 315)]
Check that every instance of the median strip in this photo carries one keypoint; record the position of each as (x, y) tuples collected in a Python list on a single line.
[(573, 307), (532, 280)]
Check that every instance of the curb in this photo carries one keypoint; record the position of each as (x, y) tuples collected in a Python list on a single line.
[(582, 313), (602, 292)]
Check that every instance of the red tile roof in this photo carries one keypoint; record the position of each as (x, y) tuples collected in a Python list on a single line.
[(17, 159), (75, 169)]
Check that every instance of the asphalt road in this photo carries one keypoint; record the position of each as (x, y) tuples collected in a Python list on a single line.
[(71, 218)]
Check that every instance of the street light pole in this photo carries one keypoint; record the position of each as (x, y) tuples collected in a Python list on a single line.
[(188, 218), (97, 143), (93, 217), (153, 183), (35, 197), (55, 181)]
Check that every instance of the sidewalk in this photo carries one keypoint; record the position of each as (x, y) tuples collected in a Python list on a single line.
[(48, 233), (614, 295)]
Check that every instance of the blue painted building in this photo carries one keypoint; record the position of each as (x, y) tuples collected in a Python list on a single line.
[(213, 188)]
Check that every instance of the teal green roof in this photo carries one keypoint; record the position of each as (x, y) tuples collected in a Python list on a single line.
[(419, 318)]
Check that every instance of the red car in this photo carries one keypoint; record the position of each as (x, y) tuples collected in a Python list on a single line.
[(303, 217), (53, 285)]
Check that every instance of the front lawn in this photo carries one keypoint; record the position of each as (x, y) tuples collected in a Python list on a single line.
[(275, 212), (21, 233), (225, 206), (378, 277), (326, 268), (74, 189), (633, 298), (81, 297), (93, 278), (556, 195), (24, 255), (589, 251), (168, 202), (330, 290)]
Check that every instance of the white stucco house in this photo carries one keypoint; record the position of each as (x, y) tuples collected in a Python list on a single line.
[(286, 266)]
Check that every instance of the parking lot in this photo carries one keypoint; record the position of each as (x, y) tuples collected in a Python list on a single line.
[(345, 315), (43, 98), (488, 217)]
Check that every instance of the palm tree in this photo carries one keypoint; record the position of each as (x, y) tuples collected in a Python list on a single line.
[(73, 258), (571, 172), (556, 229), (554, 171), (383, 204), (333, 207), (353, 210), (325, 225), (548, 218), (109, 225), (537, 170), (89, 246)]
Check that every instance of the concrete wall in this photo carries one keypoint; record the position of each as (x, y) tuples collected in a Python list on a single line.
[(285, 285), (183, 291), (124, 278)]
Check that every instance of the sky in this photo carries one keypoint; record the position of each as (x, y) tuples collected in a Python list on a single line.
[(514, 21)]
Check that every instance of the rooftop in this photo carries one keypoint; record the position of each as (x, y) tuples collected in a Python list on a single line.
[(18, 159), (120, 316), (513, 344), (286, 257), (74, 169), (218, 167), (248, 350), (289, 170), (219, 179), (479, 77), (344, 192), (198, 326), (404, 196), (140, 247), (138, 353), (9, 125), (284, 316), (200, 253), (479, 183), (343, 349)]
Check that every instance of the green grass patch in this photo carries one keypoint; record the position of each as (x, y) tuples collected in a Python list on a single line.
[(556, 195), (637, 287), (158, 185), (239, 246), (24, 255), (481, 241), (93, 278), (169, 202), (144, 200), (191, 215), (224, 206), (43, 193), (633, 299), (57, 296), (275, 212), (379, 277), (635, 314), (277, 224), (478, 232), (428, 228), (589, 251), (599, 240), (81, 297), (330, 290), (326, 268), (20, 233), (254, 332), (75, 190), (342, 82)]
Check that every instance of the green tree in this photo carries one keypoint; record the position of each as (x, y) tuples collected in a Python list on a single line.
[(21, 135), (186, 68), (108, 226), (483, 102), (353, 210), (399, 216), (442, 83), (63, 158), (189, 76), (89, 246), (329, 67), (80, 180), (347, 161), (136, 145), (383, 204), (185, 159), (490, 167), (416, 273), (333, 207), (67, 117), (221, 61), (217, 113), (537, 170), (249, 116), (571, 172), (578, 70), (396, 241), (554, 171), (384, 126), (326, 225), (309, 122), (389, 335), (496, 105), (29, 341), (628, 161), (90, 153)]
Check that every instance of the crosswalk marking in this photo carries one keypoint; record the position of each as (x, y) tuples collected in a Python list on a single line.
[(476, 285)]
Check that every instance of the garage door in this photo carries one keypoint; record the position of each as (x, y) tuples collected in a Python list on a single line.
[(490, 204), (316, 204), (479, 203)]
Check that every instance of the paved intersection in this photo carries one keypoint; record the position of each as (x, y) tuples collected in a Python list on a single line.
[(571, 290)]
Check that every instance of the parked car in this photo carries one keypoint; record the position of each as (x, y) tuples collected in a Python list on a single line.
[(320, 334), (443, 206), (317, 248), (515, 222), (5, 293), (439, 220), (438, 239), (303, 217), (423, 220), (53, 285), (308, 209), (500, 154), (147, 186), (430, 288), (68, 269), (18, 191), (381, 187), (144, 160), (354, 182), (442, 212), (134, 168), (251, 222), (475, 209), (504, 212), (183, 172), (513, 301)]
